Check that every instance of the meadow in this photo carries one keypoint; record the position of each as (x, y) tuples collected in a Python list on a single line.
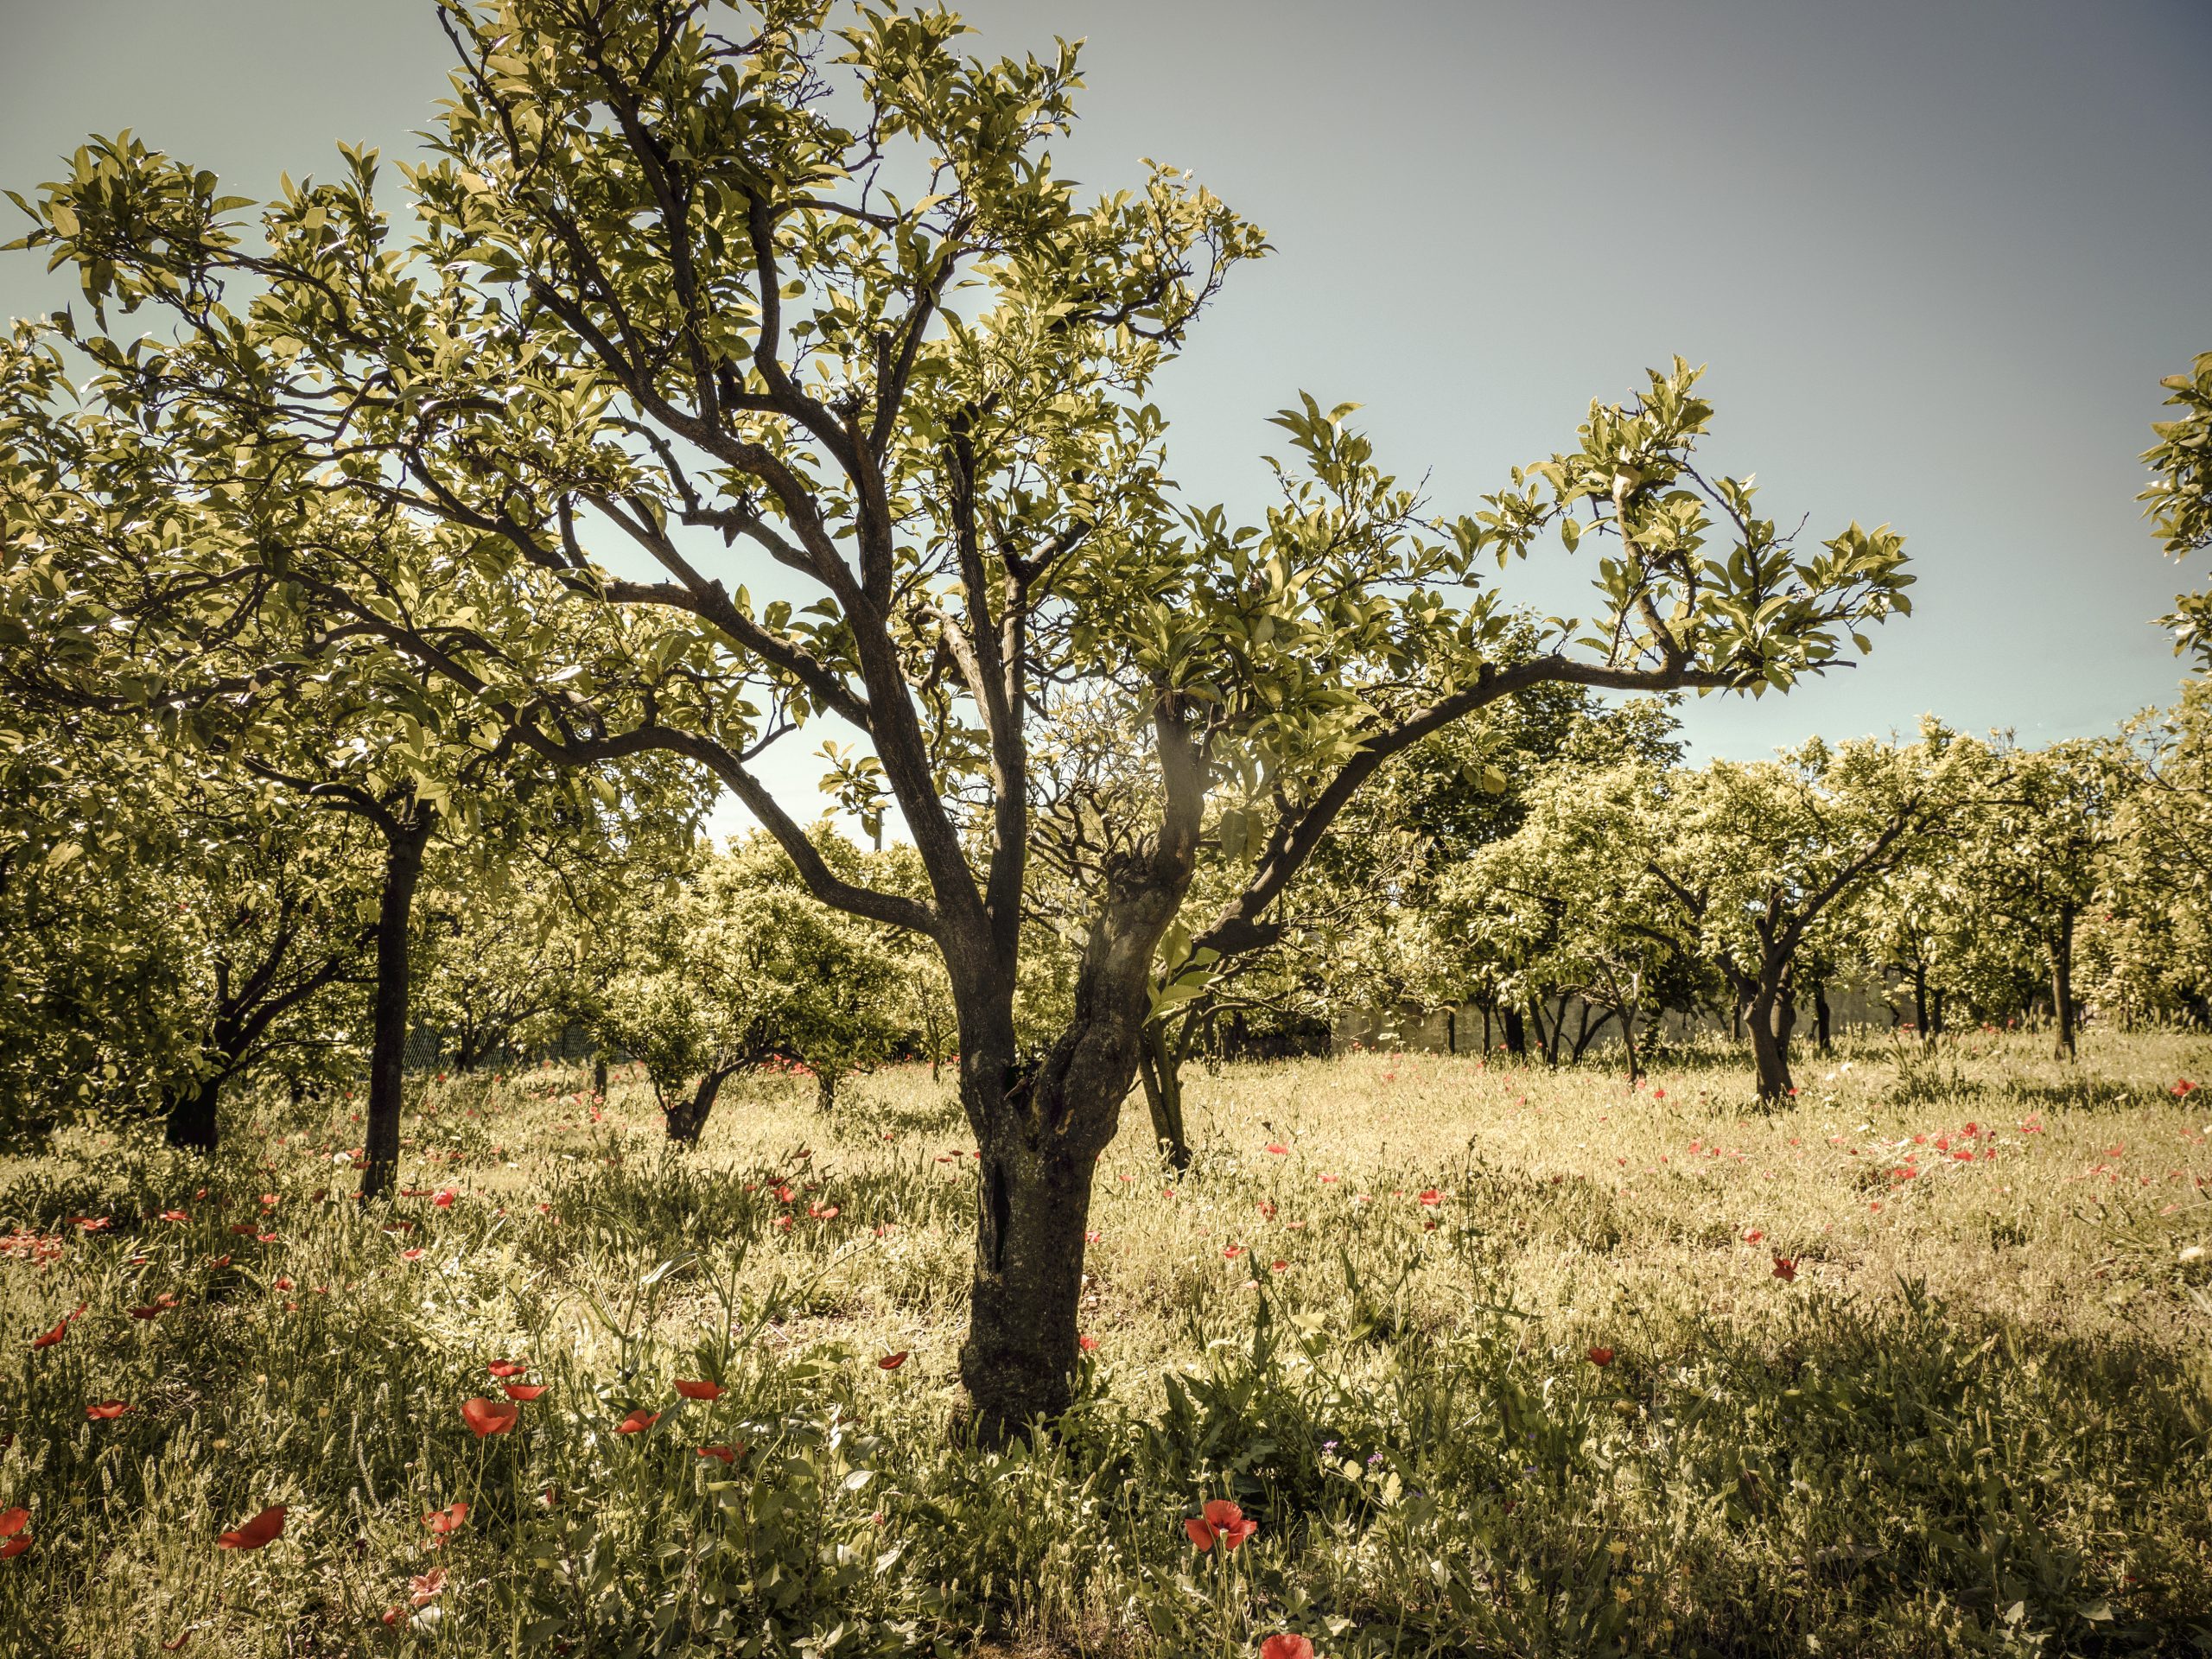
[(1498, 1359)]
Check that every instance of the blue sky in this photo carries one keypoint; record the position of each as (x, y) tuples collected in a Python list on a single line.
[(1937, 255)]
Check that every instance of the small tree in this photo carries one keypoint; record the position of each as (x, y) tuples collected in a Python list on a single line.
[(2179, 501)]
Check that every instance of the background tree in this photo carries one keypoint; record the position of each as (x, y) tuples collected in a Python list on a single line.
[(2179, 501), (825, 297)]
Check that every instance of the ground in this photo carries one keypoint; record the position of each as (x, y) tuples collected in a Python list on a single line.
[(1499, 1360)]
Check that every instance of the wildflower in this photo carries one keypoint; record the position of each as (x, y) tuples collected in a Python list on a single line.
[(174, 1214), (1432, 1198), (1087, 1343), (524, 1392), (504, 1369), (427, 1587), (12, 1522), (1785, 1267), (1277, 1149), (1753, 1237), (488, 1416), (2191, 1253), (1232, 1252), (1278, 1265), (638, 1421), (413, 1253), (441, 1522), (892, 1362), (255, 1533), (443, 1199), (1220, 1520), (2184, 1089), (1601, 1357), (727, 1454), (51, 1337), (1286, 1646), (698, 1390), (106, 1411)]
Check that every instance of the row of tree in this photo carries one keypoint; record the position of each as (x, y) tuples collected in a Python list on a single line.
[(740, 369)]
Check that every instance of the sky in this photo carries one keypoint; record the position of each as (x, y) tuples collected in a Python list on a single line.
[(1936, 255)]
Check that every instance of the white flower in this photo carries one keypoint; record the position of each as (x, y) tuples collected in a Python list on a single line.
[(2192, 1253)]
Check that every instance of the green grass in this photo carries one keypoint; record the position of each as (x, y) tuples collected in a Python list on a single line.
[(1974, 1421)]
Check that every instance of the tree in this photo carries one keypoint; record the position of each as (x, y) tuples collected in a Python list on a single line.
[(823, 296), (2033, 851), (2179, 500), (1757, 855)]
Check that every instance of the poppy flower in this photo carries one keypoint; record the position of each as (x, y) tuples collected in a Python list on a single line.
[(1601, 1356), (1753, 1237), (1432, 1198), (1278, 1265), (524, 1392), (441, 1522), (488, 1416), (1086, 1342), (2183, 1088), (892, 1362), (246, 1229), (727, 1454), (12, 1522), (444, 1199), (504, 1369), (255, 1533), (427, 1587), (1279, 1150), (15, 1546), (413, 1253), (1222, 1520), (694, 1390), (1286, 1646), (638, 1421), (1785, 1267), (106, 1411), (51, 1337), (1232, 1252)]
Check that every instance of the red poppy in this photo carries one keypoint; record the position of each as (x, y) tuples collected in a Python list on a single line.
[(15, 1546), (174, 1214), (413, 1254), (698, 1390), (256, 1532), (441, 1522), (727, 1454), (504, 1369), (1286, 1646), (285, 1284), (1753, 1237), (2183, 1088), (51, 1337), (427, 1587), (488, 1416), (444, 1199), (1601, 1356), (1432, 1198), (106, 1411), (1086, 1342), (638, 1421), (1220, 1520), (1785, 1267), (1279, 1150), (892, 1362), (12, 1522), (1232, 1252), (524, 1392), (246, 1229)]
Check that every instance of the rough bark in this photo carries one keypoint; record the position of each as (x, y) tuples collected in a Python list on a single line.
[(599, 1076), (1516, 1030), (1770, 1048), (1162, 1078), (1823, 1022), (189, 1120), (2061, 950), (404, 841), (687, 1119)]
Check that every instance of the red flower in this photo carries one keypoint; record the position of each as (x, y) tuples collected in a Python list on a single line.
[(1286, 1646), (174, 1214), (51, 1337), (1785, 1267), (1753, 1237), (727, 1454), (1232, 1252), (106, 1411), (638, 1421), (15, 1546), (524, 1392), (691, 1391), (12, 1522), (488, 1416), (256, 1532), (1279, 1150), (892, 1362), (427, 1587), (2183, 1088), (1220, 1520), (1086, 1343), (504, 1369), (1601, 1356), (413, 1253), (1432, 1198), (441, 1522), (444, 1199)]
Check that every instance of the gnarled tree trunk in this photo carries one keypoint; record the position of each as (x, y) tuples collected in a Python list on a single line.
[(687, 1119), (2060, 947), (404, 841), (1769, 1046), (190, 1117)]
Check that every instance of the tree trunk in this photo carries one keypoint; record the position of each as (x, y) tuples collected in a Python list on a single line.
[(403, 870), (1926, 1031), (1162, 1079), (190, 1118), (1770, 1051), (599, 1076), (1823, 1022), (1516, 1031), (825, 1092), (687, 1118), (2061, 984)]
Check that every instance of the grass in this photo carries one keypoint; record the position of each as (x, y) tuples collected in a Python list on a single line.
[(1975, 1421)]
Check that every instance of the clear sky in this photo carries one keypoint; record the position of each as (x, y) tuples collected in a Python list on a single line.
[(1936, 254)]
